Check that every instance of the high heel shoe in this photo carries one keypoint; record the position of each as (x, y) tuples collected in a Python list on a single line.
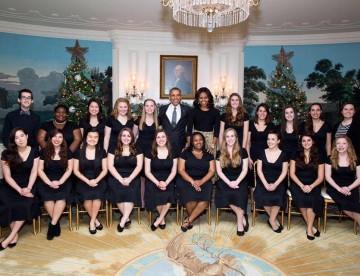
[(185, 228), (119, 228), (317, 233), (152, 226), (309, 237), (99, 227), (246, 226), (12, 245), (127, 224), (276, 230), (92, 232), (162, 226), (57, 229), (1, 247)]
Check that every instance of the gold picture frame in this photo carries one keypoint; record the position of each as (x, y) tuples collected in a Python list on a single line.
[(180, 72)]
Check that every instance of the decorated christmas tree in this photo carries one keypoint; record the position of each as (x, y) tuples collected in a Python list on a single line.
[(78, 86), (282, 88)]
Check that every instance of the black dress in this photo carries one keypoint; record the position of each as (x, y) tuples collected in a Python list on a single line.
[(313, 200), (320, 138), (116, 127), (54, 171), (161, 169), (85, 124), (239, 129), (224, 195), (13, 206), (271, 173), (83, 190), (146, 137), (258, 140), (119, 193), (68, 130), (196, 169), (289, 144), (344, 176), (207, 121)]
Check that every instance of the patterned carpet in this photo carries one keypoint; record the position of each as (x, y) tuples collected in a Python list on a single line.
[(204, 250)]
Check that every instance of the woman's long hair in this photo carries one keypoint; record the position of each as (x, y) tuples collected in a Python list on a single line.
[(49, 151), (119, 147), (13, 157), (283, 121), (268, 116), (334, 155), (309, 126), (100, 115), (98, 156), (115, 111), (238, 120), (208, 94), (154, 145), (143, 115), (233, 160), (313, 156)]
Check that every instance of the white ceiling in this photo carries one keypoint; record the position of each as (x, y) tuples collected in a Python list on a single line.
[(271, 17)]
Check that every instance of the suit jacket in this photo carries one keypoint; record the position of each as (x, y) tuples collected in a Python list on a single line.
[(177, 134)]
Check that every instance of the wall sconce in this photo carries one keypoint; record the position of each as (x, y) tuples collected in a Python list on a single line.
[(221, 96), (134, 90)]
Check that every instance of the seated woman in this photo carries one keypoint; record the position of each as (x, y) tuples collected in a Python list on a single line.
[(272, 169), (232, 188), (125, 164), (307, 173), (160, 170), (19, 165), (342, 173), (90, 166), (196, 167), (54, 186)]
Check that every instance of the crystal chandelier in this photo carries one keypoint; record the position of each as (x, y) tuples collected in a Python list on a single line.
[(210, 13)]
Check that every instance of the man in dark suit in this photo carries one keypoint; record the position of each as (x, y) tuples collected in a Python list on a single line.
[(23, 117), (175, 118)]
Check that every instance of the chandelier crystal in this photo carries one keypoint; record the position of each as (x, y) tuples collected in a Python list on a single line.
[(210, 13)]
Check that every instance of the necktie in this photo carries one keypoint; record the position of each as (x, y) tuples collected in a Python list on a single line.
[(173, 119), (22, 112)]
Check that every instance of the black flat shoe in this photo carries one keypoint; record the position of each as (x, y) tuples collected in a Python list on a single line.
[(163, 226), (276, 230), (57, 229), (281, 227), (99, 227), (153, 227), (317, 233), (92, 232), (12, 245), (119, 228), (240, 233), (127, 224), (246, 227), (185, 228), (1, 247), (310, 237), (51, 232)]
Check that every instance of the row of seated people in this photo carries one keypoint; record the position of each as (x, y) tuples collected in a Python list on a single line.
[(30, 179)]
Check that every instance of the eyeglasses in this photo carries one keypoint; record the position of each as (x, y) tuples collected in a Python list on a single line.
[(26, 97)]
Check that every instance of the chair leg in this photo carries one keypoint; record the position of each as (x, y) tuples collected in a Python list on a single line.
[(177, 213), (282, 217), (289, 213), (209, 214), (70, 218), (34, 226), (138, 214), (107, 213), (253, 214), (355, 227), (318, 222), (325, 216), (182, 215), (150, 217), (77, 217), (217, 216)]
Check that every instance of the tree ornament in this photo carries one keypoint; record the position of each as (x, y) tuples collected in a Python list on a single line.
[(77, 77), (72, 109)]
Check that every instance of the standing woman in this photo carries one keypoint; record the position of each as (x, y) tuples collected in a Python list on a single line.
[(94, 118), (289, 131), (307, 173), (349, 126), (237, 118), (71, 131), (146, 124), (120, 118), (232, 189), (321, 129), (196, 167), (160, 170), (90, 166), (19, 165), (205, 118), (54, 187), (342, 173), (272, 167), (125, 164)]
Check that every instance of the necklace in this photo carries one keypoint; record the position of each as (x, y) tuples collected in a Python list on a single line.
[(56, 122)]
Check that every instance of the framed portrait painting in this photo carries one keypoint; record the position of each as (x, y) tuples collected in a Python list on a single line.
[(180, 72)]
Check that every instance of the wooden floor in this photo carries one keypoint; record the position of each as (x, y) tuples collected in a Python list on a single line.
[(336, 252)]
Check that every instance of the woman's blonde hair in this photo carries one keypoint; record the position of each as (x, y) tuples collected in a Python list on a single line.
[(334, 156), (115, 111), (225, 159), (143, 115)]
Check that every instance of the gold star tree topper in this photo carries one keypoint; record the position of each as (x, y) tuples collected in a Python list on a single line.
[(283, 58), (77, 52)]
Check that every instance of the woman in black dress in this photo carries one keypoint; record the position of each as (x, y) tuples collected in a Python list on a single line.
[(237, 118), (321, 129), (232, 189), (205, 118), (146, 124), (19, 165), (120, 118), (54, 186), (90, 166), (307, 173), (125, 164), (342, 173), (196, 167), (289, 131), (270, 190), (72, 133), (94, 118), (160, 170)]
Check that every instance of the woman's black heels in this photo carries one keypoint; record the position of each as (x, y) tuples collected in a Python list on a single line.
[(185, 228), (92, 232), (309, 237), (276, 230), (317, 233), (246, 226)]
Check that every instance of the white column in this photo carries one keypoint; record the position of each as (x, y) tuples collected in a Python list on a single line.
[(241, 71)]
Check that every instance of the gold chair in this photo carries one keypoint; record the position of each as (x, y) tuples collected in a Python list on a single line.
[(173, 208), (328, 200), (255, 210), (208, 209), (110, 213), (67, 211), (81, 210)]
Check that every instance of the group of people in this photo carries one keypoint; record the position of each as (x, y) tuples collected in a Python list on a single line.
[(174, 154)]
